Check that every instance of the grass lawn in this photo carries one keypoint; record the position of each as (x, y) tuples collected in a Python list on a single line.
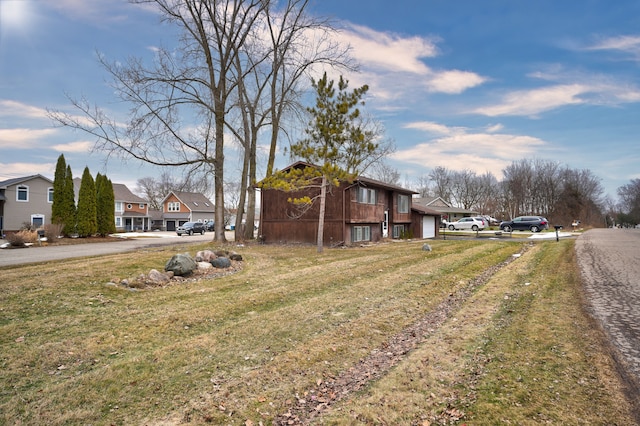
[(466, 333)]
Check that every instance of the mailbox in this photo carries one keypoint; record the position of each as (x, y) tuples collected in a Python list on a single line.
[(558, 227)]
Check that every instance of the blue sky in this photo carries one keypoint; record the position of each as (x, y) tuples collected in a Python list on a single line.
[(462, 84)]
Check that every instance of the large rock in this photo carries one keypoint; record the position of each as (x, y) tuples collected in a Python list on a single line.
[(205, 256), (181, 264), (158, 278), (221, 262)]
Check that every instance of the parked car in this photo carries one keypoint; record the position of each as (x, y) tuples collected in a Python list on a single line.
[(525, 223), (191, 228), (473, 223), (210, 226)]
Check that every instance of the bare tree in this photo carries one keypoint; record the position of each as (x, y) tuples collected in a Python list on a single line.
[(193, 81), (272, 75), (385, 173), (442, 182), (630, 200)]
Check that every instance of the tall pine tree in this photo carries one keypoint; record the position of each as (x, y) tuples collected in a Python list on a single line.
[(57, 208), (87, 208), (69, 208), (337, 145), (105, 201), (63, 210)]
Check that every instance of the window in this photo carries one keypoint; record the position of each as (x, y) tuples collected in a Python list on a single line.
[(50, 195), (22, 193), (129, 206), (398, 231), (173, 206), (118, 221), (141, 206), (403, 203), (361, 233), (37, 220), (195, 203), (366, 195), (119, 206)]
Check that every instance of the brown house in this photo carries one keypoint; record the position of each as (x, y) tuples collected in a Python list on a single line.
[(359, 211), (180, 207)]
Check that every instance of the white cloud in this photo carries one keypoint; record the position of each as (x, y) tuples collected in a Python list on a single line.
[(625, 43), (79, 146), (13, 170), (389, 51), (454, 81), (22, 138), (394, 65), (463, 149), (9, 108), (533, 102)]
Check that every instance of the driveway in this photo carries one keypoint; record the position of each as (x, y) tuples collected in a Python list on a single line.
[(130, 241), (609, 261)]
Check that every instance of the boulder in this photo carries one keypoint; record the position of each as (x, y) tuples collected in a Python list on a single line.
[(204, 266), (181, 264), (426, 247), (221, 262), (158, 278), (205, 256), (235, 256)]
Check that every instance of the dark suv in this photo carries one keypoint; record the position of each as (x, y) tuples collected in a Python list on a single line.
[(525, 223), (191, 228)]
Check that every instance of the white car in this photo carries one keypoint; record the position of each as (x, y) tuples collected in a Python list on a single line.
[(472, 223)]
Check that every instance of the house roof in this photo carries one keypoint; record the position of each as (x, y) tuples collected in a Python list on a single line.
[(425, 210), (432, 202), (359, 179), (195, 201), (122, 193), (15, 181)]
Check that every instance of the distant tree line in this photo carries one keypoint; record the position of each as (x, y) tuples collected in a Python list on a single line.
[(94, 213), (528, 187), (627, 212)]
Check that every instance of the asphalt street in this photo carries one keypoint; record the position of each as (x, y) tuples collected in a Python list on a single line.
[(609, 261), (37, 254)]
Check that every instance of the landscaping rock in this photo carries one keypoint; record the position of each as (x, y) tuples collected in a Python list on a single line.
[(181, 264), (426, 247), (235, 256), (158, 278), (205, 256), (203, 266), (221, 262)]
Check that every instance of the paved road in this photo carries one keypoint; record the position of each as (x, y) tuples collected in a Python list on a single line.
[(34, 254), (609, 261)]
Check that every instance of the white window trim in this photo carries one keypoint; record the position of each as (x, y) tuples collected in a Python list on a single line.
[(38, 216), (50, 195), (23, 187), (119, 206)]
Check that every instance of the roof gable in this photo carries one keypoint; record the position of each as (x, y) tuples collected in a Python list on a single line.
[(195, 201), (362, 180), (122, 193), (16, 181)]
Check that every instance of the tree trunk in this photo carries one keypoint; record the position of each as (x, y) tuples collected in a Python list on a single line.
[(323, 204)]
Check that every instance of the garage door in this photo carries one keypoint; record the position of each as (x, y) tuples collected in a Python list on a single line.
[(171, 225), (428, 227)]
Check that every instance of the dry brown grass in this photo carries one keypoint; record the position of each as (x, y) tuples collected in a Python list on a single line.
[(254, 346)]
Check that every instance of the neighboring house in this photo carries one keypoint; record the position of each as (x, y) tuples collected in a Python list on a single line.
[(25, 200), (181, 207), (156, 219), (132, 212), (359, 211), (447, 211)]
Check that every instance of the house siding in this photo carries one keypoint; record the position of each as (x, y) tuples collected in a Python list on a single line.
[(16, 213), (343, 213)]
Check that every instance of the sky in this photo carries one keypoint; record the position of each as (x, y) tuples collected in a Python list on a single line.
[(466, 85)]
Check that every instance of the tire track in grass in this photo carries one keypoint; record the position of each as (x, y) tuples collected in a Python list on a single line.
[(327, 393)]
